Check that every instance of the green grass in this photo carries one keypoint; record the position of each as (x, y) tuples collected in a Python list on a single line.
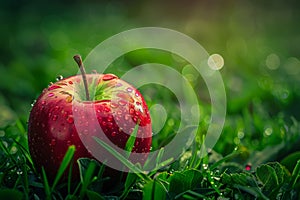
[(189, 177), (258, 153)]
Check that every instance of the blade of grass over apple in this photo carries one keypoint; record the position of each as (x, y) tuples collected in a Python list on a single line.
[(70, 176), (124, 160), (64, 164), (131, 140)]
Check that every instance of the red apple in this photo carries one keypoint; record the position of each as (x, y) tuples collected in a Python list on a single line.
[(117, 105)]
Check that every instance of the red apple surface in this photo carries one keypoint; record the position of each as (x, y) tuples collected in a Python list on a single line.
[(66, 111)]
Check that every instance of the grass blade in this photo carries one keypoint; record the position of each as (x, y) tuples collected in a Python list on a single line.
[(295, 174), (64, 164), (87, 178), (46, 185), (131, 140), (124, 160), (228, 157)]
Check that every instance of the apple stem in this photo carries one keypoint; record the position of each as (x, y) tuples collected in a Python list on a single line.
[(78, 60)]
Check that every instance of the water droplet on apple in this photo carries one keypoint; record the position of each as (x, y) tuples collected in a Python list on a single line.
[(127, 117), (59, 77), (52, 87), (54, 118), (110, 118), (53, 142), (107, 77), (129, 89), (85, 132), (114, 133), (106, 109), (110, 124), (131, 111), (113, 105), (70, 119), (119, 84), (122, 102), (50, 94)]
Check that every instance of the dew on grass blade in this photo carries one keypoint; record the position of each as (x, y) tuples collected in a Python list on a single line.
[(32, 104)]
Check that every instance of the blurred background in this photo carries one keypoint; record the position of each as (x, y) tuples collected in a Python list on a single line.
[(258, 40)]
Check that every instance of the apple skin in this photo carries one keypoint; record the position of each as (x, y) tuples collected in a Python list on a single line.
[(117, 105)]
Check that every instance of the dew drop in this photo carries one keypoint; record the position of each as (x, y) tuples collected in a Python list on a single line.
[(50, 94), (19, 172), (53, 142), (70, 119), (113, 105), (113, 134), (119, 84), (108, 77), (52, 87), (106, 109), (32, 104), (131, 111), (110, 124), (43, 102), (122, 102), (54, 118), (85, 132), (127, 117), (129, 89), (205, 166), (59, 77), (110, 118)]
